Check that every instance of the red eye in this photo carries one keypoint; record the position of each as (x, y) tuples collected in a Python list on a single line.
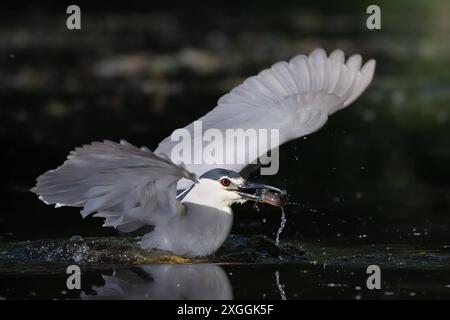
[(225, 182)]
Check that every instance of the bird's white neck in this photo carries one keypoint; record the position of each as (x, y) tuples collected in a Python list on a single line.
[(208, 193)]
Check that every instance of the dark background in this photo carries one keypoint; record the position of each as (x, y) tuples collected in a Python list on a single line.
[(378, 172)]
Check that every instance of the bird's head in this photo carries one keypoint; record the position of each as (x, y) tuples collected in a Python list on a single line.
[(221, 188)]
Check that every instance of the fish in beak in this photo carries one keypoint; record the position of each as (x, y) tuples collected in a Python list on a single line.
[(259, 192)]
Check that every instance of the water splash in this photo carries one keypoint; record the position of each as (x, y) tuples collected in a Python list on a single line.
[(280, 286), (281, 227), (310, 210)]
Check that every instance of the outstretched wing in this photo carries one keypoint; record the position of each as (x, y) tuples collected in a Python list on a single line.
[(128, 186), (294, 97)]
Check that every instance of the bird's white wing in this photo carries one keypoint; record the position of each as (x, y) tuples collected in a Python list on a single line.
[(128, 186), (295, 97)]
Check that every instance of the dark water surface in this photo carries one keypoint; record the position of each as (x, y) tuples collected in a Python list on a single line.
[(245, 268), (371, 187)]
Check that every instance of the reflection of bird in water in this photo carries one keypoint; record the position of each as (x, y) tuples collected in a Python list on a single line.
[(163, 282), (132, 187)]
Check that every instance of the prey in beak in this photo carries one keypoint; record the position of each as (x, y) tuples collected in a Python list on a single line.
[(262, 193)]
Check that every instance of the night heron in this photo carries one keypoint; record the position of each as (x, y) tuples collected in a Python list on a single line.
[(189, 204)]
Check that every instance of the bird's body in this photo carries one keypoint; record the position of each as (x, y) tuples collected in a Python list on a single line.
[(198, 231), (132, 187), (203, 222)]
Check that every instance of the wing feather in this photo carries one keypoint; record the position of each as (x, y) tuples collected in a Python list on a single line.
[(295, 97), (127, 186)]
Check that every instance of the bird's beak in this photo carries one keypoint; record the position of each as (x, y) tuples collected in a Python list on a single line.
[(259, 192)]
